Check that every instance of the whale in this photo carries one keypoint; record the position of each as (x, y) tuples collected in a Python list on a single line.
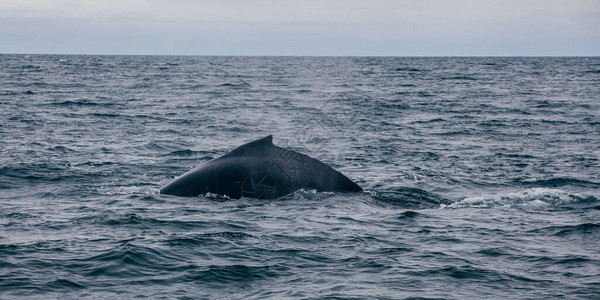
[(261, 170)]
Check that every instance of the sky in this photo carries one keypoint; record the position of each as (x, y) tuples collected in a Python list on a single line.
[(309, 27)]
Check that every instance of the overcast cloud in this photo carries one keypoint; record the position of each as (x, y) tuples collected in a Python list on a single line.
[(277, 27)]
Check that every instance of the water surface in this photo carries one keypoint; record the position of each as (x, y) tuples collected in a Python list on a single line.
[(482, 177)]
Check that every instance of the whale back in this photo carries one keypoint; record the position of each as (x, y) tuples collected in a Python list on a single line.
[(260, 169)]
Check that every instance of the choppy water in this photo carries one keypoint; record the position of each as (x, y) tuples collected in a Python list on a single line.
[(483, 177)]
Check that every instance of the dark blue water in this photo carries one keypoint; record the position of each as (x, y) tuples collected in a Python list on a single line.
[(482, 177)]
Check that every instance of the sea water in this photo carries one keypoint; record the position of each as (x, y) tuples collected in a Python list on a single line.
[(481, 177)]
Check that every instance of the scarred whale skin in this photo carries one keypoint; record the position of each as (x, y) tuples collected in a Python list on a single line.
[(261, 170)]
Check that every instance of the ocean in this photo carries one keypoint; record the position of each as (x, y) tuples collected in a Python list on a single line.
[(481, 177)]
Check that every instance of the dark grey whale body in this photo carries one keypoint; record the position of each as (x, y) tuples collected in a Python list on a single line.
[(261, 170)]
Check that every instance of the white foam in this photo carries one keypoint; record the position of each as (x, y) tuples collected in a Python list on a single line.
[(535, 198)]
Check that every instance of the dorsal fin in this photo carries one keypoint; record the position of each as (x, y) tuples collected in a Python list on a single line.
[(266, 141), (262, 142)]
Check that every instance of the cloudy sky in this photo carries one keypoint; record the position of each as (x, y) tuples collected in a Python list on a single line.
[(309, 27)]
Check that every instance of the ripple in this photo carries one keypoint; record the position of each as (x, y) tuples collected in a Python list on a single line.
[(580, 229), (234, 274), (62, 284), (560, 182), (407, 197)]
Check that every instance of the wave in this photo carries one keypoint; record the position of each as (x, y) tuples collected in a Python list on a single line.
[(495, 251), (434, 120), (51, 171), (31, 67), (459, 78), (148, 264), (105, 115), (234, 273), (579, 229), (235, 85), (425, 94), (461, 272), (533, 198), (559, 182), (60, 285), (408, 69), (187, 152), (207, 238), (408, 197), (409, 214), (515, 155), (133, 219), (9, 93), (61, 149), (80, 102), (129, 260)]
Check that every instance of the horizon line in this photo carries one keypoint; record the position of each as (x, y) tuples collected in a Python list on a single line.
[(290, 55)]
